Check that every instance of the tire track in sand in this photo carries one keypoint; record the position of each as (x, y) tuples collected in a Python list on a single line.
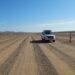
[(45, 66), (68, 59), (5, 43), (25, 64), (9, 44), (8, 64), (61, 66)]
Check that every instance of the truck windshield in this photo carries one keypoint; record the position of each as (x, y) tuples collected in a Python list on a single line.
[(48, 32)]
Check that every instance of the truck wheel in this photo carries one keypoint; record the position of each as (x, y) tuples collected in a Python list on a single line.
[(53, 40)]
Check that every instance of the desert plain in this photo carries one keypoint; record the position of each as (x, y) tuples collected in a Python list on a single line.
[(27, 54)]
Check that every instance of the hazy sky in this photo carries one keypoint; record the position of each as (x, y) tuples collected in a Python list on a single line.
[(37, 15)]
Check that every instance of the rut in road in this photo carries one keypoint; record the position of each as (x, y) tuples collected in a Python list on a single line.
[(65, 57), (1, 50), (45, 66), (69, 60), (26, 63), (5, 41), (60, 65), (8, 64)]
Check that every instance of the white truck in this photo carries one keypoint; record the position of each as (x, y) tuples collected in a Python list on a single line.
[(47, 35)]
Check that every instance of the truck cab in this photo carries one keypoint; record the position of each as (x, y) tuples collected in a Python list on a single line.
[(47, 35)]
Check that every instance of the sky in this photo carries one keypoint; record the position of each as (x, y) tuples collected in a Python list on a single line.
[(37, 15)]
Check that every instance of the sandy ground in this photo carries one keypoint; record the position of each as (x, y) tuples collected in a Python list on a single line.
[(28, 55)]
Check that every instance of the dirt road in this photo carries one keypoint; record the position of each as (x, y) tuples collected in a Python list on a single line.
[(28, 55)]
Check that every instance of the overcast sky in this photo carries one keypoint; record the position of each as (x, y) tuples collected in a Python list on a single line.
[(37, 15)]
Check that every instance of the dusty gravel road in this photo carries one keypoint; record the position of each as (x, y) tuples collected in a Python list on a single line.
[(28, 55)]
